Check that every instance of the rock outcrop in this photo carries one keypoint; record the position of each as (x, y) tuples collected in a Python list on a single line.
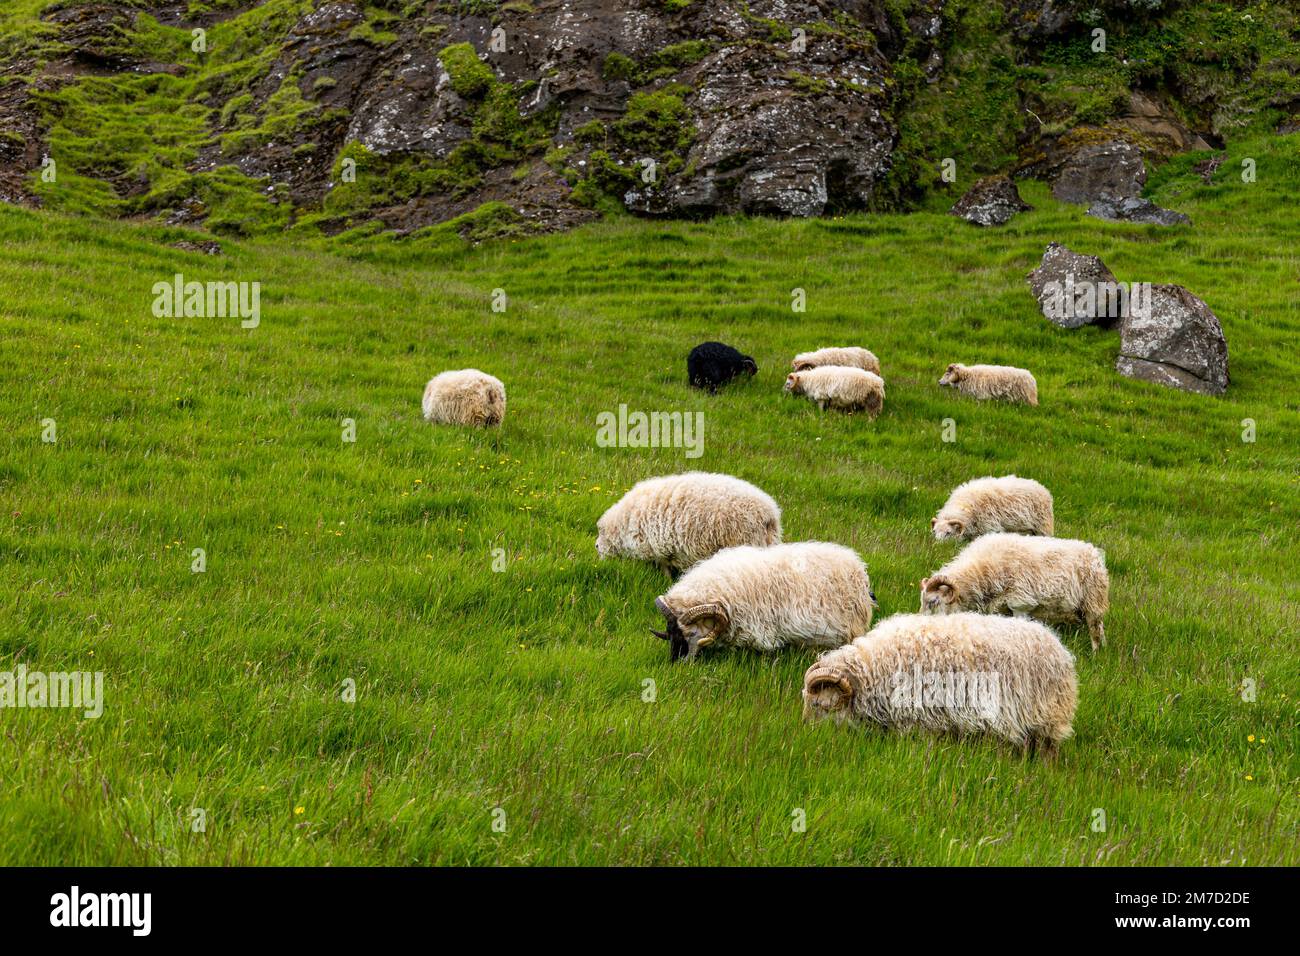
[(1073, 290), (1111, 170), (990, 202), (564, 109), (1177, 342), (1136, 210)]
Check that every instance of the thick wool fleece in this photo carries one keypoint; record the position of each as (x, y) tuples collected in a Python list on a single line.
[(965, 673), (841, 387), (986, 505), (1056, 580), (850, 356), (679, 520), (465, 397), (810, 594), (992, 381)]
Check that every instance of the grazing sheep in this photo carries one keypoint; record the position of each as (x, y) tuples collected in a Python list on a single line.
[(992, 381), (967, 673), (836, 386), (1053, 579), (850, 356), (465, 397), (809, 594), (712, 365), (985, 505), (679, 520)]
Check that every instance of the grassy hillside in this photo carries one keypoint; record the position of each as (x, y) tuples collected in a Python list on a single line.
[(523, 689)]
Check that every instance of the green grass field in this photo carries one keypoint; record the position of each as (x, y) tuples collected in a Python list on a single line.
[(522, 689)]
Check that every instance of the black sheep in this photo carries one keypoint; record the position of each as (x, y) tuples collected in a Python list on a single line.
[(713, 364)]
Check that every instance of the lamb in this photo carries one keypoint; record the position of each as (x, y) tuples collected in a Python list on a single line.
[(837, 386), (809, 594), (465, 397), (712, 365), (992, 381), (850, 357), (966, 673), (677, 521), (994, 504), (1052, 579)]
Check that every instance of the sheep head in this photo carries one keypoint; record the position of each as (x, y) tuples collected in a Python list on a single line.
[(946, 527), (692, 629), (827, 692), (495, 411), (792, 384), (953, 375), (938, 595), (749, 365)]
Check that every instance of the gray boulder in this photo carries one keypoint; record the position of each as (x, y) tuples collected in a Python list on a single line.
[(1177, 342), (990, 202), (1109, 170), (1062, 284), (1136, 210)]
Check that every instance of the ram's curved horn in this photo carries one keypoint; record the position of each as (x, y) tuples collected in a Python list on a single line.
[(939, 580), (662, 607), (691, 615), (820, 678)]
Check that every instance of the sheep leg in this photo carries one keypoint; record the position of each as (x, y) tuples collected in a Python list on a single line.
[(1096, 631), (1050, 749)]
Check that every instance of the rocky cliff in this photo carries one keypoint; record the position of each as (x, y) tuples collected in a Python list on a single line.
[(327, 115)]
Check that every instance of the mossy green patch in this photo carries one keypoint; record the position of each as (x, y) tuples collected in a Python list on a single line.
[(470, 76)]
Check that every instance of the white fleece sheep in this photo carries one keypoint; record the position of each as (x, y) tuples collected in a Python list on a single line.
[(966, 673), (1052, 579), (992, 381), (985, 505), (810, 594), (679, 520), (850, 356), (838, 386), (465, 397)]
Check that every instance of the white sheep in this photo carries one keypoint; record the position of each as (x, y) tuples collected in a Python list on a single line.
[(966, 673), (465, 397), (1055, 580), (810, 594), (985, 505), (992, 381), (679, 520), (838, 386), (850, 356)]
